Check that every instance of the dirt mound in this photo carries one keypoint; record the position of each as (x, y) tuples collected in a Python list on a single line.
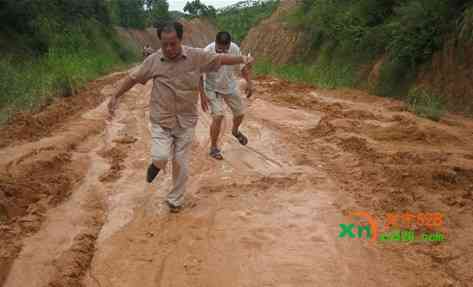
[(31, 126), (359, 115), (116, 157), (45, 178), (358, 146), (37, 177), (197, 33), (27, 190), (139, 38), (73, 264), (275, 40), (413, 133), (324, 128)]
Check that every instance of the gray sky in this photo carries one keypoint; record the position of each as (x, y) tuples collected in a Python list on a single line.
[(179, 4)]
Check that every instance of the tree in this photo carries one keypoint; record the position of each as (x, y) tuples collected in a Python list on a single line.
[(128, 13), (158, 10), (197, 9)]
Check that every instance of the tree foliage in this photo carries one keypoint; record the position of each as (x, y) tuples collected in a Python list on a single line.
[(408, 30), (405, 32), (240, 17), (128, 13), (158, 11), (197, 9)]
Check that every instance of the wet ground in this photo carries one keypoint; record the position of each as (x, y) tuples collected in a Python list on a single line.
[(81, 214)]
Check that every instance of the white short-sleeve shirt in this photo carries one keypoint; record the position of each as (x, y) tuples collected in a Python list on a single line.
[(223, 81)]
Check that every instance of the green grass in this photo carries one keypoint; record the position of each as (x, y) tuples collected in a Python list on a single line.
[(27, 81), (324, 77), (395, 78), (425, 103), (331, 68)]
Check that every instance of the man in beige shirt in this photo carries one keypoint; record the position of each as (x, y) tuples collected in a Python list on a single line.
[(175, 70)]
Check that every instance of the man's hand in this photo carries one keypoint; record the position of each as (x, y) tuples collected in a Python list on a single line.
[(249, 89), (248, 61), (124, 86), (112, 106), (204, 101)]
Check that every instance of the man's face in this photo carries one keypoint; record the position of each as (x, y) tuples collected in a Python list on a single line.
[(222, 48), (171, 44)]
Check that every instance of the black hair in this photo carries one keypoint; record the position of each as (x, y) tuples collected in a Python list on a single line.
[(223, 38), (168, 27)]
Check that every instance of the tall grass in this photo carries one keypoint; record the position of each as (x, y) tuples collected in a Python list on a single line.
[(78, 55), (330, 67), (425, 103)]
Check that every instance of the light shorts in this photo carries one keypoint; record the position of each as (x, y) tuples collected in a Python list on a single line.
[(234, 102)]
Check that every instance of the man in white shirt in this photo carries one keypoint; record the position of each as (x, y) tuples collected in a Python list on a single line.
[(220, 86)]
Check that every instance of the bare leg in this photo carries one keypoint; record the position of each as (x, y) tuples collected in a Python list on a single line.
[(236, 123), (215, 130)]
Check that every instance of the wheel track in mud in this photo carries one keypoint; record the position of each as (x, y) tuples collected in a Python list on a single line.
[(17, 160)]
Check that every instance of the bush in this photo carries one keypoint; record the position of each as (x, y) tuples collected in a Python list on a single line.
[(425, 103), (417, 30), (405, 32)]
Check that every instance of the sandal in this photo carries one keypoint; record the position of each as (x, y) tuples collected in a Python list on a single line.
[(216, 154), (241, 138)]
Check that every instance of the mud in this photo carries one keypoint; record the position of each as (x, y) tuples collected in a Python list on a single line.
[(76, 210), (32, 126)]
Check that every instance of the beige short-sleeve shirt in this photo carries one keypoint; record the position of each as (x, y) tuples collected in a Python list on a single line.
[(174, 97)]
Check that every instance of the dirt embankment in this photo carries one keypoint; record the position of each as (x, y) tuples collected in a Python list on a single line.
[(448, 74), (273, 39), (197, 33)]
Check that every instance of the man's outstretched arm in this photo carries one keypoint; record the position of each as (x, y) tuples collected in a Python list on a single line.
[(125, 85), (235, 60)]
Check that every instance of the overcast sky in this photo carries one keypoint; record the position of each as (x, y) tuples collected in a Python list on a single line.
[(179, 4)]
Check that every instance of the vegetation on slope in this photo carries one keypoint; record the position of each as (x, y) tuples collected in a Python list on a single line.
[(346, 36)]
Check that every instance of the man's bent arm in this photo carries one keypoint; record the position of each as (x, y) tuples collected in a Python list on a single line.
[(127, 84)]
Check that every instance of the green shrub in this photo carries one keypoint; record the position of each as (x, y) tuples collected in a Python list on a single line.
[(417, 29), (405, 32), (425, 103)]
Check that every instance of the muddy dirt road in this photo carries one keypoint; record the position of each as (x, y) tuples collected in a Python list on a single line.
[(76, 210)]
